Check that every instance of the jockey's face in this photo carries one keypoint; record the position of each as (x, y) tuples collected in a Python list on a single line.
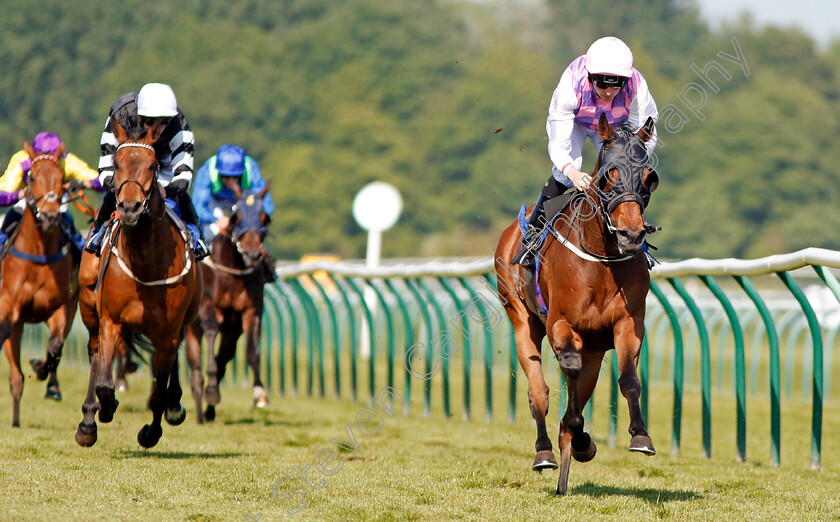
[(606, 94), (230, 181), (147, 122)]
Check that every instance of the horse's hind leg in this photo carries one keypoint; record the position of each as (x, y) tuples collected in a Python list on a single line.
[(162, 362), (12, 347), (175, 412), (529, 333), (211, 394), (193, 343), (252, 323)]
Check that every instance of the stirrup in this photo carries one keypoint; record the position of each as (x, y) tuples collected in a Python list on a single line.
[(94, 243), (526, 255), (200, 250)]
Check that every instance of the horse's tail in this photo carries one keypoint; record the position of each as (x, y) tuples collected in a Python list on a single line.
[(138, 344)]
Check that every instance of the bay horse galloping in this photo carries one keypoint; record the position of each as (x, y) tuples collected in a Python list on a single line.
[(593, 279), (38, 276), (146, 283), (234, 281)]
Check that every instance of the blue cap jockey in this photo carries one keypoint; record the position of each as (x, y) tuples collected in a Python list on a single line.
[(212, 187)]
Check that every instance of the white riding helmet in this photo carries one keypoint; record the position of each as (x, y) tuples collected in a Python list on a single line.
[(610, 56), (156, 100)]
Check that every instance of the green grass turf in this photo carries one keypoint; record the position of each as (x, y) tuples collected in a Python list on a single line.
[(415, 468)]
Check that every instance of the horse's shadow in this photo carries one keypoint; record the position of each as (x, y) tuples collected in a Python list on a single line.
[(651, 495), (177, 455), (267, 422)]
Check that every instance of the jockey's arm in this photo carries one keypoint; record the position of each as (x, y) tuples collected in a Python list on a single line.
[(641, 108), (75, 169), (11, 183), (559, 126), (107, 148)]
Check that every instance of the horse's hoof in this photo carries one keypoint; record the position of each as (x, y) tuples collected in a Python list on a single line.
[(40, 369), (642, 444), (210, 413), (107, 409), (212, 395), (260, 397), (122, 385), (86, 436), (587, 454), (176, 417), (54, 393), (149, 435), (544, 460)]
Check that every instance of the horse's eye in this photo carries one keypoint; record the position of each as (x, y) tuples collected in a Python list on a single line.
[(116, 165)]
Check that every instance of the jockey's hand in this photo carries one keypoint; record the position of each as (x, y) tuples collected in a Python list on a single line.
[(579, 178), (109, 183), (223, 223), (75, 186), (176, 188), (21, 194)]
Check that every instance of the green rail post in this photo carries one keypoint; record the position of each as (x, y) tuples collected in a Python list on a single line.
[(465, 335), (818, 375), (775, 374), (488, 354), (312, 326), (613, 431), (832, 284), (427, 385), (409, 341), (274, 299), (740, 366), (386, 309), (430, 296), (351, 326), (644, 362), (371, 338), (676, 431), (293, 321), (512, 359), (334, 329), (705, 365)]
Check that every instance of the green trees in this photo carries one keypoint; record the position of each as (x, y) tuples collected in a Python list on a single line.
[(446, 100)]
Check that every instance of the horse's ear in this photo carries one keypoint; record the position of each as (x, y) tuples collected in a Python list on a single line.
[(233, 220), (119, 133), (154, 132), (646, 132), (651, 179), (29, 150), (604, 130), (60, 151), (261, 194)]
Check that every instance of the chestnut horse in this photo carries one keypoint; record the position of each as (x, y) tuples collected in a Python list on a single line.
[(233, 301), (38, 276), (146, 284), (594, 280)]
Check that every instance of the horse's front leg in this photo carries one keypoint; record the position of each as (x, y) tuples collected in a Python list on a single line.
[(59, 325), (252, 325), (12, 348), (210, 326), (628, 341), (110, 336), (581, 374), (162, 362), (86, 432), (175, 412)]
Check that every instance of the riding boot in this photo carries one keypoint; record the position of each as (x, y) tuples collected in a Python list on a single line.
[(190, 217), (10, 222), (109, 205), (527, 254), (76, 239)]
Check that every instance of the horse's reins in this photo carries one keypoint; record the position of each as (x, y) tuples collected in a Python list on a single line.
[(49, 197), (234, 271), (112, 246), (145, 204)]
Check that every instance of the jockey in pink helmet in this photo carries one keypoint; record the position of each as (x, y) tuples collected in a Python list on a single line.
[(603, 81)]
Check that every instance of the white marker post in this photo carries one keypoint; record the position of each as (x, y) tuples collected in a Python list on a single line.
[(376, 208)]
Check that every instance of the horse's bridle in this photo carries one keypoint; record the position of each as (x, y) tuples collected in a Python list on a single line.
[(632, 191), (49, 197), (145, 204)]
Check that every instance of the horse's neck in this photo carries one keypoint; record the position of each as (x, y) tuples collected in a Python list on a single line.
[(148, 240), (33, 239), (225, 254), (585, 227)]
